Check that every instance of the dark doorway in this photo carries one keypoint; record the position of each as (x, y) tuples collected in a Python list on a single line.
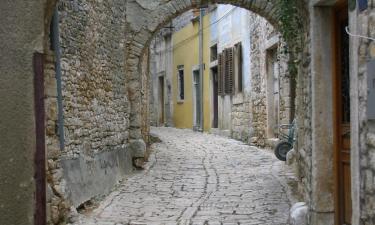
[(342, 116), (215, 103), (197, 102), (161, 101)]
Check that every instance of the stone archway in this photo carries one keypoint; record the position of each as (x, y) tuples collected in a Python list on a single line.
[(313, 186), (155, 16), (161, 12), (143, 20)]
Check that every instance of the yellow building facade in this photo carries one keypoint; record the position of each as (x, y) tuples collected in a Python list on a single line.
[(186, 65)]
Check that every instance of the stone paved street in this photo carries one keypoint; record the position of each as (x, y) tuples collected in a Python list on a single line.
[(195, 178)]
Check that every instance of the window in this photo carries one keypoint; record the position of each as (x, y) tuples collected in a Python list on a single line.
[(225, 72), (213, 51), (230, 78), (180, 81), (229, 72)]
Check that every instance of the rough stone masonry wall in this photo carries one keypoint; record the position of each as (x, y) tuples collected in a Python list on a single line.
[(287, 86), (255, 103), (57, 206), (258, 91), (303, 106), (241, 118), (153, 87), (146, 97), (366, 52), (261, 31), (96, 107)]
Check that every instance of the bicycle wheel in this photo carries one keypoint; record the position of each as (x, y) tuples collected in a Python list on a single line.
[(282, 149)]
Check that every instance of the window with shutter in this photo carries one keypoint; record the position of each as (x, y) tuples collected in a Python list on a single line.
[(229, 73), (220, 89)]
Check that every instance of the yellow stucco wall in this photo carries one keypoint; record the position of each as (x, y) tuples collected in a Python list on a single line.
[(186, 53)]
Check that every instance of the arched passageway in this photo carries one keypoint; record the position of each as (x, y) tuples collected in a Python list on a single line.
[(139, 20), (146, 30), (102, 73)]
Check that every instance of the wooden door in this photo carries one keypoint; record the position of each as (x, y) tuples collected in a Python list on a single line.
[(342, 116), (215, 94), (197, 99), (161, 101), (272, 93)]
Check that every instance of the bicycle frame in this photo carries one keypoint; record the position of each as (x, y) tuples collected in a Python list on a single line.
[(289, 137)]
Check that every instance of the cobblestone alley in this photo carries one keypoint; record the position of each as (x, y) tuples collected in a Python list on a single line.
[(195, 178)]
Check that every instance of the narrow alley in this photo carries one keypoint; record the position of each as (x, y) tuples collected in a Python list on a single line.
[(265, 110), (195, 178)]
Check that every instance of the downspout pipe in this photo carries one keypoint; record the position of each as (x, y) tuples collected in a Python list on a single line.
[(56, 48), (201, 69)]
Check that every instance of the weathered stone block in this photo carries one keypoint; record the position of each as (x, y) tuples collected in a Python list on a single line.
[(137, 148), (299, 213)]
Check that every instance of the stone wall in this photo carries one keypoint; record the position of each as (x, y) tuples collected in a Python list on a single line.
[(241, 120), (364, 24), (58, 206), (95, 106), (258, 90), (146, 97), (96, 109), (249, 119), (153, 85), (303, 143)]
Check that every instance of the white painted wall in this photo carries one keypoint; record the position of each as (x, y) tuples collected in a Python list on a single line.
[(233, 27)]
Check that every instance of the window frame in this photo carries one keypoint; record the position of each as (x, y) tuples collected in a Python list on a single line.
[(180, 87)]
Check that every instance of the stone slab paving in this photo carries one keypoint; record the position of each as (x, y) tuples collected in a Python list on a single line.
[(200, 179)]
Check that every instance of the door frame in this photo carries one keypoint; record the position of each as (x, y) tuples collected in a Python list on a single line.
[(273, 111), (213, 98), (338, 10), (196, 123), (161, 96)]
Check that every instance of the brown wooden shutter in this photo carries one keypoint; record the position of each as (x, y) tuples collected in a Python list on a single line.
[(229, 73), (239, 67), (223, 70), (220, 90)]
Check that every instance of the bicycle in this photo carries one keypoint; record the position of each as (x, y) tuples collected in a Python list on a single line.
[(287, 140)]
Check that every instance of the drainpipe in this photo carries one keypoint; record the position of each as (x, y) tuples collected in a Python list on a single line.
[(56, 48), (201, 66)]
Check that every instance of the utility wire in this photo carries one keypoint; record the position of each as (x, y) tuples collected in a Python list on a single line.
[(179, 44), (359, 36)]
